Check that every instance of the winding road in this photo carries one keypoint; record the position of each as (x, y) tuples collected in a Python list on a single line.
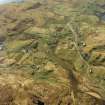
[(76, 45)]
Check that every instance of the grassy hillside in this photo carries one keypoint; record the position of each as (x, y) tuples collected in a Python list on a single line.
[(52, 52)]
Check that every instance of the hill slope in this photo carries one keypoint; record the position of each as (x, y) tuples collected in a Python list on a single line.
[(52, 52)]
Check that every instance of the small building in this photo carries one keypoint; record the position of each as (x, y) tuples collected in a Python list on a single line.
[(83, 44), (1, 46)]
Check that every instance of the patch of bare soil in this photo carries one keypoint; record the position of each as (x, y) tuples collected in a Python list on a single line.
[(20, 89), (6, 95)]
